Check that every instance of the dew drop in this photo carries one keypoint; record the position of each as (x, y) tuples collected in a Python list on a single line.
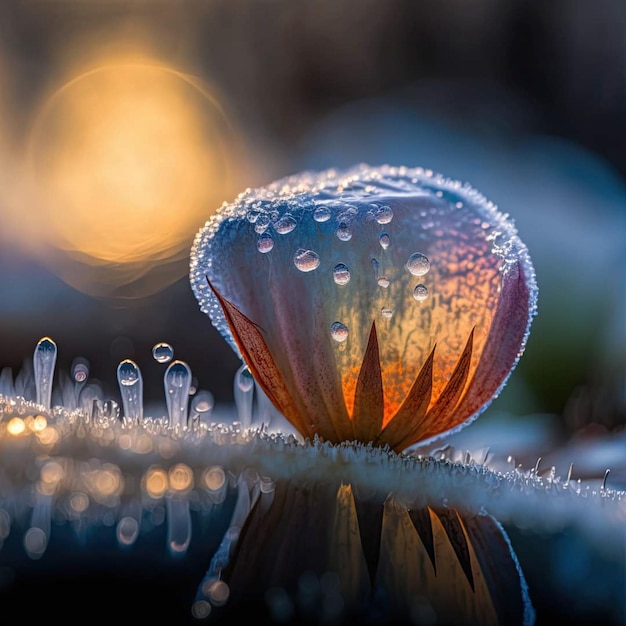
[(245, 381), (162, 352), (80, 370), (420, 292), (339, 332), (384, 241), (383, 214), (176, 382), (341, 274), (244, 395), (386, 312), (203, 402), (264, 243), (262, 222), (383, 281), (131, 389), (285, 224), (44, 360), (343, 232), (418, 264), (321, 214), (306, 260), (127, 531)]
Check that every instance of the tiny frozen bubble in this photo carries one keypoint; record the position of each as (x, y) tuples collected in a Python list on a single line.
[(341, 274), (80, 370), (383, 214), (322, 214), (203, 402), (420, 293), (128, 373), (201, 609), (162, 352), (306, 260), (343, 232), (265, 243), (386, 312), (418, 264), (245, 381), (339, 332), (384, 241), (285, 224), (127, 531)]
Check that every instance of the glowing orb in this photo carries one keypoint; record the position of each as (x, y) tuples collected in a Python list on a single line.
[(126, 160)]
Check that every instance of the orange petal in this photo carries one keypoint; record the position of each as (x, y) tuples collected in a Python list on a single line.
[(504, 345), (368, 399), (442, 416), (258, 358), (409, 416)]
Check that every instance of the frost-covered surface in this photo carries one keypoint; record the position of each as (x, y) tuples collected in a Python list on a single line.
[(128, 456)]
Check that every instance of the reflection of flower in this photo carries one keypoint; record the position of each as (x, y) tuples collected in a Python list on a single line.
[(385, 305)]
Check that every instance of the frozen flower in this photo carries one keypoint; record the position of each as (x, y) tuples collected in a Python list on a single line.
[(379, 304)]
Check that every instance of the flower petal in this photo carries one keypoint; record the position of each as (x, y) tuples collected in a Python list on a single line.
[(250, 342), (504, 345), (367, 418), (410, 414), (316, 259), (442, 417)]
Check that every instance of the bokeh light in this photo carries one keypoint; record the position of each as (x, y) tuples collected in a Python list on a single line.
[(124, 162)]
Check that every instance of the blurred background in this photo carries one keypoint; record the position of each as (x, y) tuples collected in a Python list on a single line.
[(125, 125)]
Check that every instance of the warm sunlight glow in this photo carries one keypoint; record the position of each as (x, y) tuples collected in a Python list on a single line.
[(127, 159)]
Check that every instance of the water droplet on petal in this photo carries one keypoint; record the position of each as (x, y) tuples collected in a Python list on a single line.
[(339, 332), (341, 274), (162, 352), (322, 214), (386, 312), (262, 222), (418, 264), (306, 260), (343, 232), (264, 243), (80, 370), (384, 241), (285, 224), (420, 292), (383, 281), (383, 214)]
